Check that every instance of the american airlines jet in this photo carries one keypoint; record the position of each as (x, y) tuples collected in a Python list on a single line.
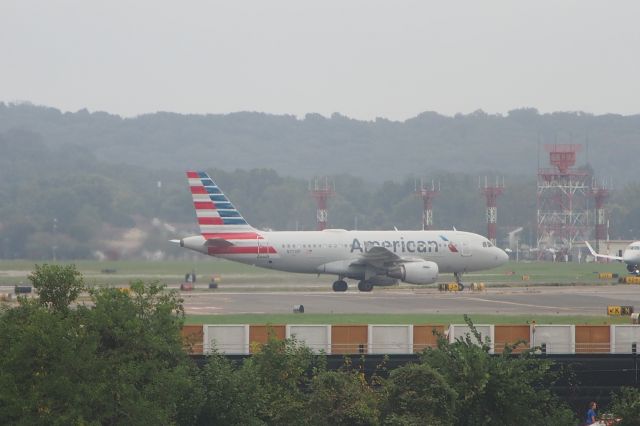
[(630, 256), (371, 257)]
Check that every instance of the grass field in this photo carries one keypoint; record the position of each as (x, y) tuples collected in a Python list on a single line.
[(399, 319), (170, 271)]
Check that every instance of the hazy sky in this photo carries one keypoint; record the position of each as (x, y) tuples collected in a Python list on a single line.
[(364, 59)]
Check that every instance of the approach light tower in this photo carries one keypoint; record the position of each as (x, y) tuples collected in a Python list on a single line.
[(563, 192), (600, 195), (491, 193), (321, 191), (427, 193)]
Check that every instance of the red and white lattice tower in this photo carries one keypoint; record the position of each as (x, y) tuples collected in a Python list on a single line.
[(491, 193), (600, 195), (562, 198), (321, 191), (427, 193)]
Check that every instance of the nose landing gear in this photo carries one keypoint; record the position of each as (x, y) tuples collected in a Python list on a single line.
[(458, 277)]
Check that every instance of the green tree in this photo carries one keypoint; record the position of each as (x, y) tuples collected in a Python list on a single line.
[(228, 394), (47, 362), (144, 375), (342, 398), (58, 285), (282, 369), (626, 404), (497, 390), (119, 360), (416, 394)]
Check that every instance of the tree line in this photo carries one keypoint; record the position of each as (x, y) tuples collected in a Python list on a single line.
[(78, 355), (376, 150), (118, 357), (64, 201)]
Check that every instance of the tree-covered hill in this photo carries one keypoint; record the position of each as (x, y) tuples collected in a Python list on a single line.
[(59, 187), (374, 150)]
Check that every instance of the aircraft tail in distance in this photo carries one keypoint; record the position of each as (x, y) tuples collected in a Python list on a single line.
[(603, 256)]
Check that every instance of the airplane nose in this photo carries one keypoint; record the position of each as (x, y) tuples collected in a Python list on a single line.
[(501, 256)]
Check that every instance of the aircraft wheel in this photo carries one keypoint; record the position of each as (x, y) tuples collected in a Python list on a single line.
[(340, 285), (458, 277), (365, 285)]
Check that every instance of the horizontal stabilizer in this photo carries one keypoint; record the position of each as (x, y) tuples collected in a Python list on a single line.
[(218, 243)]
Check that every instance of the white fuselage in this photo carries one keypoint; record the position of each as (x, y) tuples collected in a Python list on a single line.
[(631, 255), (312, 251)]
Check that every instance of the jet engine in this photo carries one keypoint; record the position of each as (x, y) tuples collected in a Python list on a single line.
[(421, 272)]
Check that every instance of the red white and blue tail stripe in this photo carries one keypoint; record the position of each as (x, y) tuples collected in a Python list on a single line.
[(216, 214), (221, 224)]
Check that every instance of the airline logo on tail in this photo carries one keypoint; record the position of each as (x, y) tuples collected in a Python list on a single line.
[(221, 224), (212, 206)]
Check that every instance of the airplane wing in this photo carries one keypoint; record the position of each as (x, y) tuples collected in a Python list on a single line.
[(380, 257), (604, 256)]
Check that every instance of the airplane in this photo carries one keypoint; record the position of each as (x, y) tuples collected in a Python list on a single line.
[(630, 256), (371, 257)]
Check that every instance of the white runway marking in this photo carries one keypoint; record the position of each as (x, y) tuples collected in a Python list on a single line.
[(573, 308)]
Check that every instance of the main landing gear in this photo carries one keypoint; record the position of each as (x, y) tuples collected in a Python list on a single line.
[(365, 285), (458, 276), (340, 285)]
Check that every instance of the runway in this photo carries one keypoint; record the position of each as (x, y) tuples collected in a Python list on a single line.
[(571, 300), (544, 300)]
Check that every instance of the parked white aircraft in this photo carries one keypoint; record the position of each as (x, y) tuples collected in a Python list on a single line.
[(630, 256), (372, 257)]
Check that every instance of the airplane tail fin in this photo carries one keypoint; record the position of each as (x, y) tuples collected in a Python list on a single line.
[(217, 217)]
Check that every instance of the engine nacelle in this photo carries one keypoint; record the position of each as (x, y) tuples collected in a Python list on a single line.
[(422, 272)]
